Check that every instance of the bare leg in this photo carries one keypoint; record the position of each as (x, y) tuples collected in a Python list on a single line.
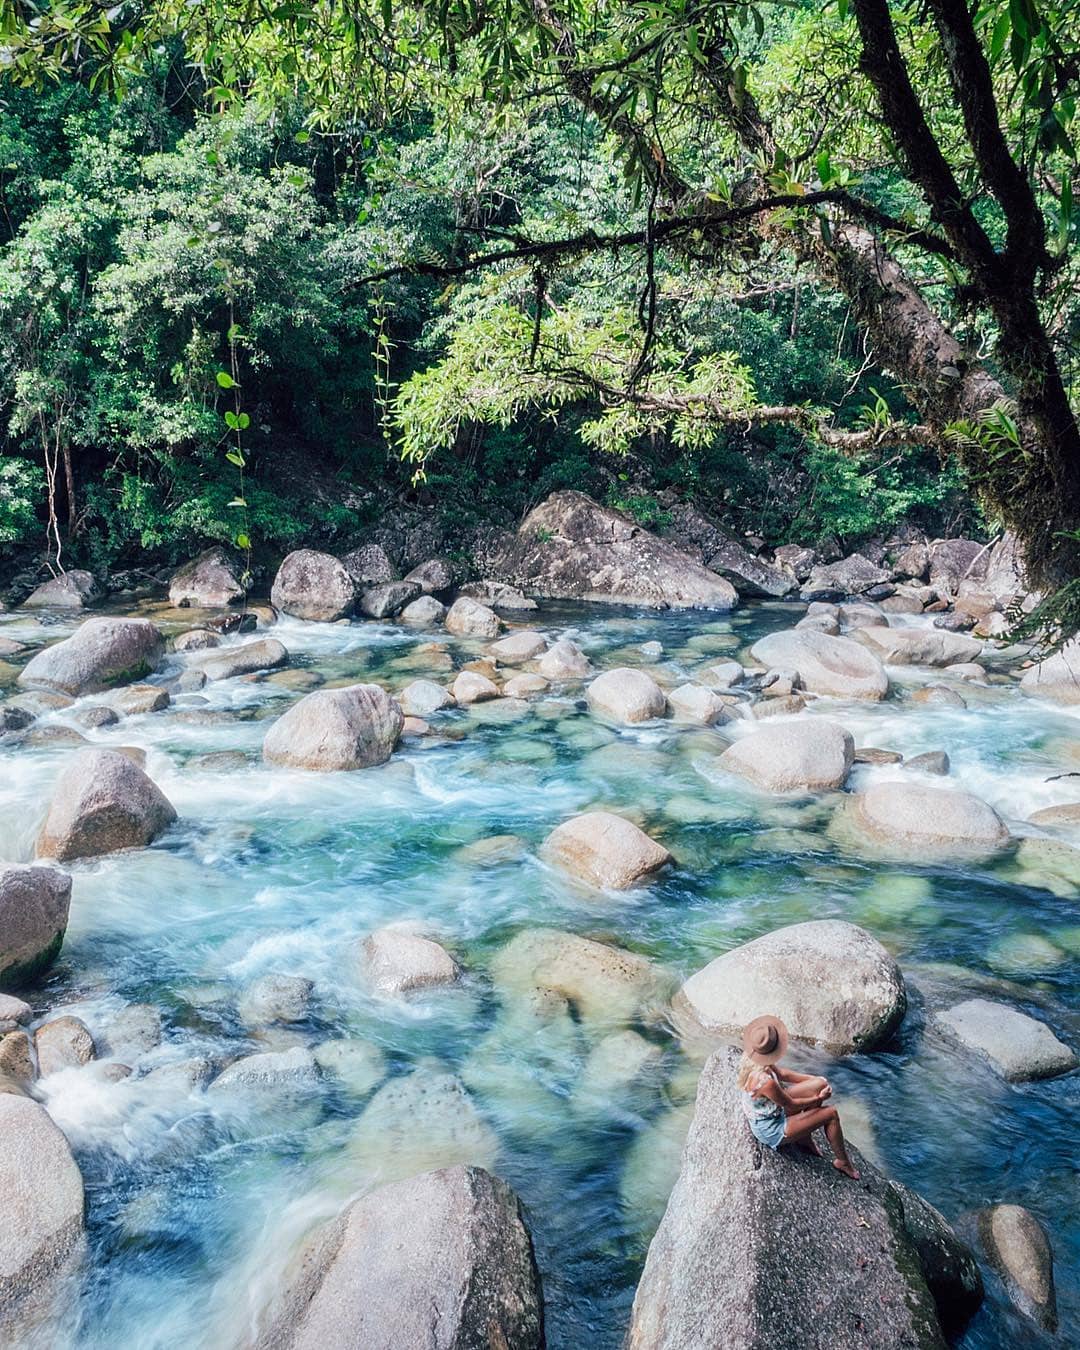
[(803, 1124)]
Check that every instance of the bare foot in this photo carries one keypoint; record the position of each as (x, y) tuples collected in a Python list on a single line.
[(808, 1146), (846, 1168)]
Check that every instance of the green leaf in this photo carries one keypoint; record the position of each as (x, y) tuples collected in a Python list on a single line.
[(997, 39), (243, 421), (225, 380), (237, 501), (302, 137), (232, 421), (235, 457), (242, 541)]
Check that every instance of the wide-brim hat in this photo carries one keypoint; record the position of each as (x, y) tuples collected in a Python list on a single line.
[(765, 1039)]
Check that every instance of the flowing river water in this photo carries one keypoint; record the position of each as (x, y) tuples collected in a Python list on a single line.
[(195, 1201)]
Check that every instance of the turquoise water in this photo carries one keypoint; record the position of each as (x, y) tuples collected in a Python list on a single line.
[(195, 1201)]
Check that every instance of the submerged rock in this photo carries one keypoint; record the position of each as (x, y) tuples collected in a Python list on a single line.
[(605, 986), (470, 619), (416, 1122), (754, 1241), (521, 686), (311, 585), (812, 756), (396, 960), (571, 548), (41, 1213), (275, 998), (70, 590), (225, 663), (136, 699), (910, 820), (102, 802), (1019, 1250), (273, 1071), (99, 654), (209, 581), (34, 906), (350, 728), (836, 666), (833, 984), (604, 850), (626, 695), (358, 1066), (441, 1260), (1019, 1047)]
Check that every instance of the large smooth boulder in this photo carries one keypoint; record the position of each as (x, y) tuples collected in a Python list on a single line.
[(424, 611), (697, 703), (1020, 1048), (34, 905), (909, 820), (70, 590), (850, 576), (626, 695), (369, 565), (387, 598), (811, 756), (564, 660), (99, 654), (1018, 1248), (749, 575), (833, 984), (350, 728), (571, 548), (836, 666), (604, 850), (224, 663), (41, 1211), (102, 802), (763, 1250), (1057, 677), (953, 561), (421, 698), (441, 1260), (206, 582), (397, 960), (311, 585), (433, 577), (919, 646), (63, 1043), (470, 619), (517, 648)]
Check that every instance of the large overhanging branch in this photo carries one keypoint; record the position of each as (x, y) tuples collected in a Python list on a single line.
[(708, 223), (712, 409)]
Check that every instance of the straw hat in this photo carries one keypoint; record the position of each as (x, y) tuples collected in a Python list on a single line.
[(765, 1039)]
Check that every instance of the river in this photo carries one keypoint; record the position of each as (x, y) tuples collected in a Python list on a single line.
[(193, 1203)]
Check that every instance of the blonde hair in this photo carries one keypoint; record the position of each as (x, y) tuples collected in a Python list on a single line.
[(747, 1069)]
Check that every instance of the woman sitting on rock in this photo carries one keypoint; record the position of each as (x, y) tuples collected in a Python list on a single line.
[(782, 1106)]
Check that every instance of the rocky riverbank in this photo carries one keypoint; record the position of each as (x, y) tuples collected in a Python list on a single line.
[(469, 1006)]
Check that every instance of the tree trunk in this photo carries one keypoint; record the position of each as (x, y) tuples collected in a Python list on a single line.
[(69, 484)]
